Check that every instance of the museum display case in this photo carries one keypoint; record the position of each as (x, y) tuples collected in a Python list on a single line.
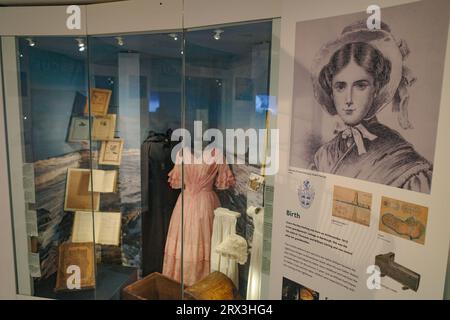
[(160, 149), (99, 144)]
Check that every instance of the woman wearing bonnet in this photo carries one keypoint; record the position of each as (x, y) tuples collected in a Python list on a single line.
[(354, 78)]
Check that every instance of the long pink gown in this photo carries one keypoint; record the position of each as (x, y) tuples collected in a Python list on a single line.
[(200, 201)]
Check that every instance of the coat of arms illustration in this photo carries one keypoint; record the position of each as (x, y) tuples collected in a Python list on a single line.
[(306, 194)]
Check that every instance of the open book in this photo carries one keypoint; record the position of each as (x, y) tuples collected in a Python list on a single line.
[(107, 227), (78, 197), (103, 181)]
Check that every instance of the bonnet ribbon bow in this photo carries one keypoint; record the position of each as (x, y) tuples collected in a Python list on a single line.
[(358, 132)]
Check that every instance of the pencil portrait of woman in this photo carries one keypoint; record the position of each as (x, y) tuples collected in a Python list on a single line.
[(340, 90), (363, 73)]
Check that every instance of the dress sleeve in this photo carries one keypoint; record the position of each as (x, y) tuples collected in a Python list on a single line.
[(175, 174), (225, 178), (420, 182)]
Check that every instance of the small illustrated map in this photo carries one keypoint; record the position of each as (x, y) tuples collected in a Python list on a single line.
[(352, 205), (403, 219)]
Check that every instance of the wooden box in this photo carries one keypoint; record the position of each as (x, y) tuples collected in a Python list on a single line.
[(153, 287), (156, 286)]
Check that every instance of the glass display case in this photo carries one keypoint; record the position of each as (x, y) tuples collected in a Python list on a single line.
[(115, 178)]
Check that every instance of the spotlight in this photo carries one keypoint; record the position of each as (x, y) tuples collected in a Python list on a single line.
[(217, 34), (174, 36), (81, 45), (31, 42), (120, 41)]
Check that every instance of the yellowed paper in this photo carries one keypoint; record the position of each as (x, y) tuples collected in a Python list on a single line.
[(352, 205), (103, 127), (403, 219), (103, 181), (78, 196), (111, 152), (99, 102), (107, 227), (109, 233)]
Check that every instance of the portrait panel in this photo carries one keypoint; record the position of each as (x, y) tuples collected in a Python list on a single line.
[(366, 102)]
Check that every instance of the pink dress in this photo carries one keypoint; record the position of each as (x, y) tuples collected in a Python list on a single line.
[(200, 201)]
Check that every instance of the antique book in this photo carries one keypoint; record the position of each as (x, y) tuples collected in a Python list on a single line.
[(99, 102), (104, 127), (105, 225), (111, 152), (79, 129), (103, 181), (76, 267), (78, 197)]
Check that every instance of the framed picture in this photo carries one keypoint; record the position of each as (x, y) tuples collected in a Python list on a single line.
[(79, 129), (78, 197), (111, 152), (104, 127), (99, 101)]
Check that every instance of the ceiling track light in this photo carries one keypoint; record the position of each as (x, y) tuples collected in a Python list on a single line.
[(31, 42), (217, 34), (81, 45), (174, 36), (120, 41)]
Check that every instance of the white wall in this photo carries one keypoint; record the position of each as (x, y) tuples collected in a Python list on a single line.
[(7, 274)]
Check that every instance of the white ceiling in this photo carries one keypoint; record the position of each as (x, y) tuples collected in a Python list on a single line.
[(48, 2)]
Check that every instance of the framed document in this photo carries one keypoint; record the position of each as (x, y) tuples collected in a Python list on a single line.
[(99, 102), (78, 197), (111, 152), (79, 129), (75, 267), (103, 127)]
